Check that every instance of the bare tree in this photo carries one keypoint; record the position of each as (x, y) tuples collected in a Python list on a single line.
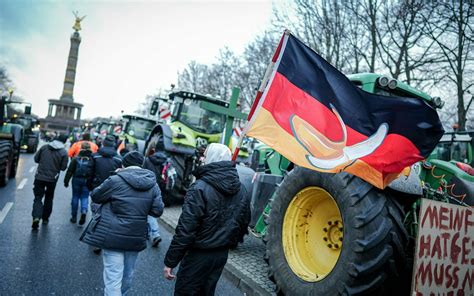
[(193, 77), (451, 28)]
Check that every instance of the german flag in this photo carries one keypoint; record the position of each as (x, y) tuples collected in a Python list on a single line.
[(313, 115)]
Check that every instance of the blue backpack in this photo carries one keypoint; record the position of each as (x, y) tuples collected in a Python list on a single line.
[(83, 167)]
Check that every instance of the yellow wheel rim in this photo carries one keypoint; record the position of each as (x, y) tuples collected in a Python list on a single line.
[(312, 234)]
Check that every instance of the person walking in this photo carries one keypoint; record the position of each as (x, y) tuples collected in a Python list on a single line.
[(51, 159), (119, 227), (155, 163), (80, 169), (214, 218), (76, 147), (105, 162)]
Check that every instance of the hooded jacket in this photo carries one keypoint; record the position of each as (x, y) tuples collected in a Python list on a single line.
[(127, 198), (216, 212), (105, 162), (155, 163), (51, 159)]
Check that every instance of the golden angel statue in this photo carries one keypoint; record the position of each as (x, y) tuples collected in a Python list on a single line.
[(77, 24)]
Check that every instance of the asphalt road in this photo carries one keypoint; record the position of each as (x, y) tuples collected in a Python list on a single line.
[(52, 261)]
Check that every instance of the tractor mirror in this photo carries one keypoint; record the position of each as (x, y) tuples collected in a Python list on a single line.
[(27, 110), (154, 108)]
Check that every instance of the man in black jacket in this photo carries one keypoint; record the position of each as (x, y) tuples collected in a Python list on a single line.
[(105, 162), (119, 226), (215, 216), (51, 159)]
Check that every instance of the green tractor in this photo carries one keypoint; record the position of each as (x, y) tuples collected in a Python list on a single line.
[(30, 140), (196, 121), (135, 132), (335, 234), (11, 136)]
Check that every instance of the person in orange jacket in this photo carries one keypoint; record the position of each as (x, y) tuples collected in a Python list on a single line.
[(76, 147)]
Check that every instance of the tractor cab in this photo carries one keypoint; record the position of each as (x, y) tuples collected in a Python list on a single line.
[(136, 130), (455, 146), (187, 109)]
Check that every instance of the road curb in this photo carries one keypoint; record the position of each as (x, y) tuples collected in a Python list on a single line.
[(241, 281)]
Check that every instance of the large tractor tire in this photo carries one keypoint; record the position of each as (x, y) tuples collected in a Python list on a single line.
[(6, 161), (15, 161), (334, 235)]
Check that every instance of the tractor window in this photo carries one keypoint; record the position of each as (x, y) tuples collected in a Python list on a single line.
[(457, 151), (139, 129), (200, 119)]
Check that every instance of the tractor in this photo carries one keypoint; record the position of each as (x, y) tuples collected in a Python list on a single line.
[(331, 234), (11, 137), (191, 127), (136, 130), (30, 140), (196, 121)]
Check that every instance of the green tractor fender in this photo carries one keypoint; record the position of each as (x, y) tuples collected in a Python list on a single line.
[(165, 131)]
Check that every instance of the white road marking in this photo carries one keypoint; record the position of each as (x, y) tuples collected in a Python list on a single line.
[(32, 169), (4, 212), (22, 184)]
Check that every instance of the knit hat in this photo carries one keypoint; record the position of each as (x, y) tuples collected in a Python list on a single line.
[(134, 158), (109, 141)]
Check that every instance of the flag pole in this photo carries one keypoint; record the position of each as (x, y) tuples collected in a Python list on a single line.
[(259, 94)]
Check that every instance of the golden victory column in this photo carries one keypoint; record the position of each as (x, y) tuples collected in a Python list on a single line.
[(64, 114)]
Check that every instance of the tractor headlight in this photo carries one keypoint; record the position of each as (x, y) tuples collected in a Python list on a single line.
[(383, 81), (437, 102), (392, 84)]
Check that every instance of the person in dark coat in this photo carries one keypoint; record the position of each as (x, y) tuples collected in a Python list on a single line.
[(155, 163), (105, 162), (119, 227), (214, 218), (51, 159), (80, 169)]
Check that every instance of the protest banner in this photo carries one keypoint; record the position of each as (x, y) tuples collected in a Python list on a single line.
[(444, 253)]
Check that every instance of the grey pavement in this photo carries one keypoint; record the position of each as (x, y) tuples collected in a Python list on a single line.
[(52, 261), (246, 266)]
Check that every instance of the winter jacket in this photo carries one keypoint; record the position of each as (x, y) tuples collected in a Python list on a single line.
[(155, 163), (76, 148), (127, 198), (215, 214), (105, 162), (84, 159), (51, 159)]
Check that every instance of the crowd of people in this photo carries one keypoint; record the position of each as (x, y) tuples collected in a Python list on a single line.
[(126, 199)]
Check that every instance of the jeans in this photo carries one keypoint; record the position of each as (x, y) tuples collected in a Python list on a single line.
[(118, 271), (153, 230), (43, 189), (80, 192)]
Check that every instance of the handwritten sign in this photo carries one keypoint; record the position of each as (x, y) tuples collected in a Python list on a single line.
[(444, 254)]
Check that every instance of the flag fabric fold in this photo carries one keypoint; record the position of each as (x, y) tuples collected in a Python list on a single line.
[(317, 118)]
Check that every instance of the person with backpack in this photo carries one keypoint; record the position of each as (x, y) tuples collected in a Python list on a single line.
[(51, 159), (76, 146), (80, 169)]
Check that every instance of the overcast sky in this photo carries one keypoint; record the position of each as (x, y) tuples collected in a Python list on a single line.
[(129, 48)]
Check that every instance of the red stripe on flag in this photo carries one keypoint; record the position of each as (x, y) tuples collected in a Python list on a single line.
[(255, 104), (284, 99), (277, 51)]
